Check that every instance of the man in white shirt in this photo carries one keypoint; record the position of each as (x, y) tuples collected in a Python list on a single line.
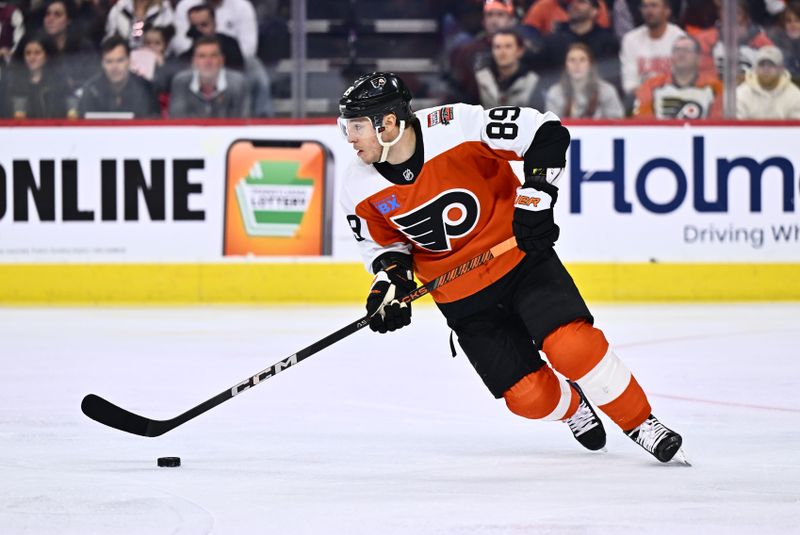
[(646, 50)]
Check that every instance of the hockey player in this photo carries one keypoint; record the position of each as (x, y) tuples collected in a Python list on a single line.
[(432, 189)]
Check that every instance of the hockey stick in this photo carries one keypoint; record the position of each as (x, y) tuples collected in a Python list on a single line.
[(107, 413)]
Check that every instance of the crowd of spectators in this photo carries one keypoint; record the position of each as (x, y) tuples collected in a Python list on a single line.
[(131, 59), (658, 59)]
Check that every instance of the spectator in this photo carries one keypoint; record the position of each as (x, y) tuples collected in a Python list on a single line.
[(698, 15), (581, 93), (156, 40), (627, 14), (685, 93), (547, 15), (203, 22), (146, 59), (506, 81), (116, 88), (786, 36), (208, 89), (580, 28), (153, 62), (35, 91), (235, 18), (768, 92), (468, 58), (128, 18), (749, 36), (74, 56), (646, 50), (12, 28)]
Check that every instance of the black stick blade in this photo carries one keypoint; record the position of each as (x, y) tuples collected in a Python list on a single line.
[(105, 412)]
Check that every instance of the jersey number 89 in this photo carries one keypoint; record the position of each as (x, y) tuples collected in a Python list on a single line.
[(499, 129)]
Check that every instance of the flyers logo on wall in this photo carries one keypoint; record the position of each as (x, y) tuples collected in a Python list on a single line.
[(277, 199)]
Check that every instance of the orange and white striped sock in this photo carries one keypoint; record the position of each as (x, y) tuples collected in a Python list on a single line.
[(581, 352)]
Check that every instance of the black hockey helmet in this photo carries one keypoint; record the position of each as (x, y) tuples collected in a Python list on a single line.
[(374, 95)]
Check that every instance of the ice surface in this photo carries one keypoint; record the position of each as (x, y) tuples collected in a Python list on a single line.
[(385, 434)]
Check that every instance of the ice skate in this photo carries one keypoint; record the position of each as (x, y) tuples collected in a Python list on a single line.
[(585, 425), (663, 443)]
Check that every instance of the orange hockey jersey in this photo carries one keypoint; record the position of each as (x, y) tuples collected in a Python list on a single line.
[(457, 206)]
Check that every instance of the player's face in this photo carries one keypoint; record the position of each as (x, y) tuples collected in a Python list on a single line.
[(116, 64), (577, 64), (360, 133), (505, 50)]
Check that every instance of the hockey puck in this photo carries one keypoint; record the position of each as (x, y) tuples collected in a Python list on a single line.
[(169, 461)]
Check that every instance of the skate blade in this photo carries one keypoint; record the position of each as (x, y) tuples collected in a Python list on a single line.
[(681, 458)]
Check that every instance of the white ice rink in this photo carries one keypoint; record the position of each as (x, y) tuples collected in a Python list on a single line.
[(387, 434)]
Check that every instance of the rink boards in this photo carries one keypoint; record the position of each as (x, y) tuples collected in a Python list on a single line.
[(186, 212)]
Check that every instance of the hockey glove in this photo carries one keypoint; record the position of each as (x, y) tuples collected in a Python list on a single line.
[(534, 227), (393, 282)]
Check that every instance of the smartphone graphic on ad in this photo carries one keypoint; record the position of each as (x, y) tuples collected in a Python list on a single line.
[(278, 198)]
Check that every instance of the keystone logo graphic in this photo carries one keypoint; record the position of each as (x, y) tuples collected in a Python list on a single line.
[(273, 199)]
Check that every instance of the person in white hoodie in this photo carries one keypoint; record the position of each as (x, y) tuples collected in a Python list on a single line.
[(767, 91)]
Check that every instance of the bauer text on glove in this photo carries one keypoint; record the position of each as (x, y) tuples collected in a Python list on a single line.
[(534, 227)]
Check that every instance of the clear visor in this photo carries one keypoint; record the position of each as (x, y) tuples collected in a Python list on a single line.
[(355, 127)]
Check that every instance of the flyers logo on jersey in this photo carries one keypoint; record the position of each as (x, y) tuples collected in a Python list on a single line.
[(432, 226), (440, 116)]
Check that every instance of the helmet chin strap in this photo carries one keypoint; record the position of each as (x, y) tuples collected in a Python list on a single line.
[(386, 146)]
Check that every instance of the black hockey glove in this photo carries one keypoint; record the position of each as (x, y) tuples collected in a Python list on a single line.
[(393, 282), (534, 227)]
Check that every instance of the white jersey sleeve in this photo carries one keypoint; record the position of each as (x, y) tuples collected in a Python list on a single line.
[(361, 183), (505, 128)]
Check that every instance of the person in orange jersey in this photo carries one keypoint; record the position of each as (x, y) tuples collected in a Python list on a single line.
[(546, 15), (431, 189), (684, 93)]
